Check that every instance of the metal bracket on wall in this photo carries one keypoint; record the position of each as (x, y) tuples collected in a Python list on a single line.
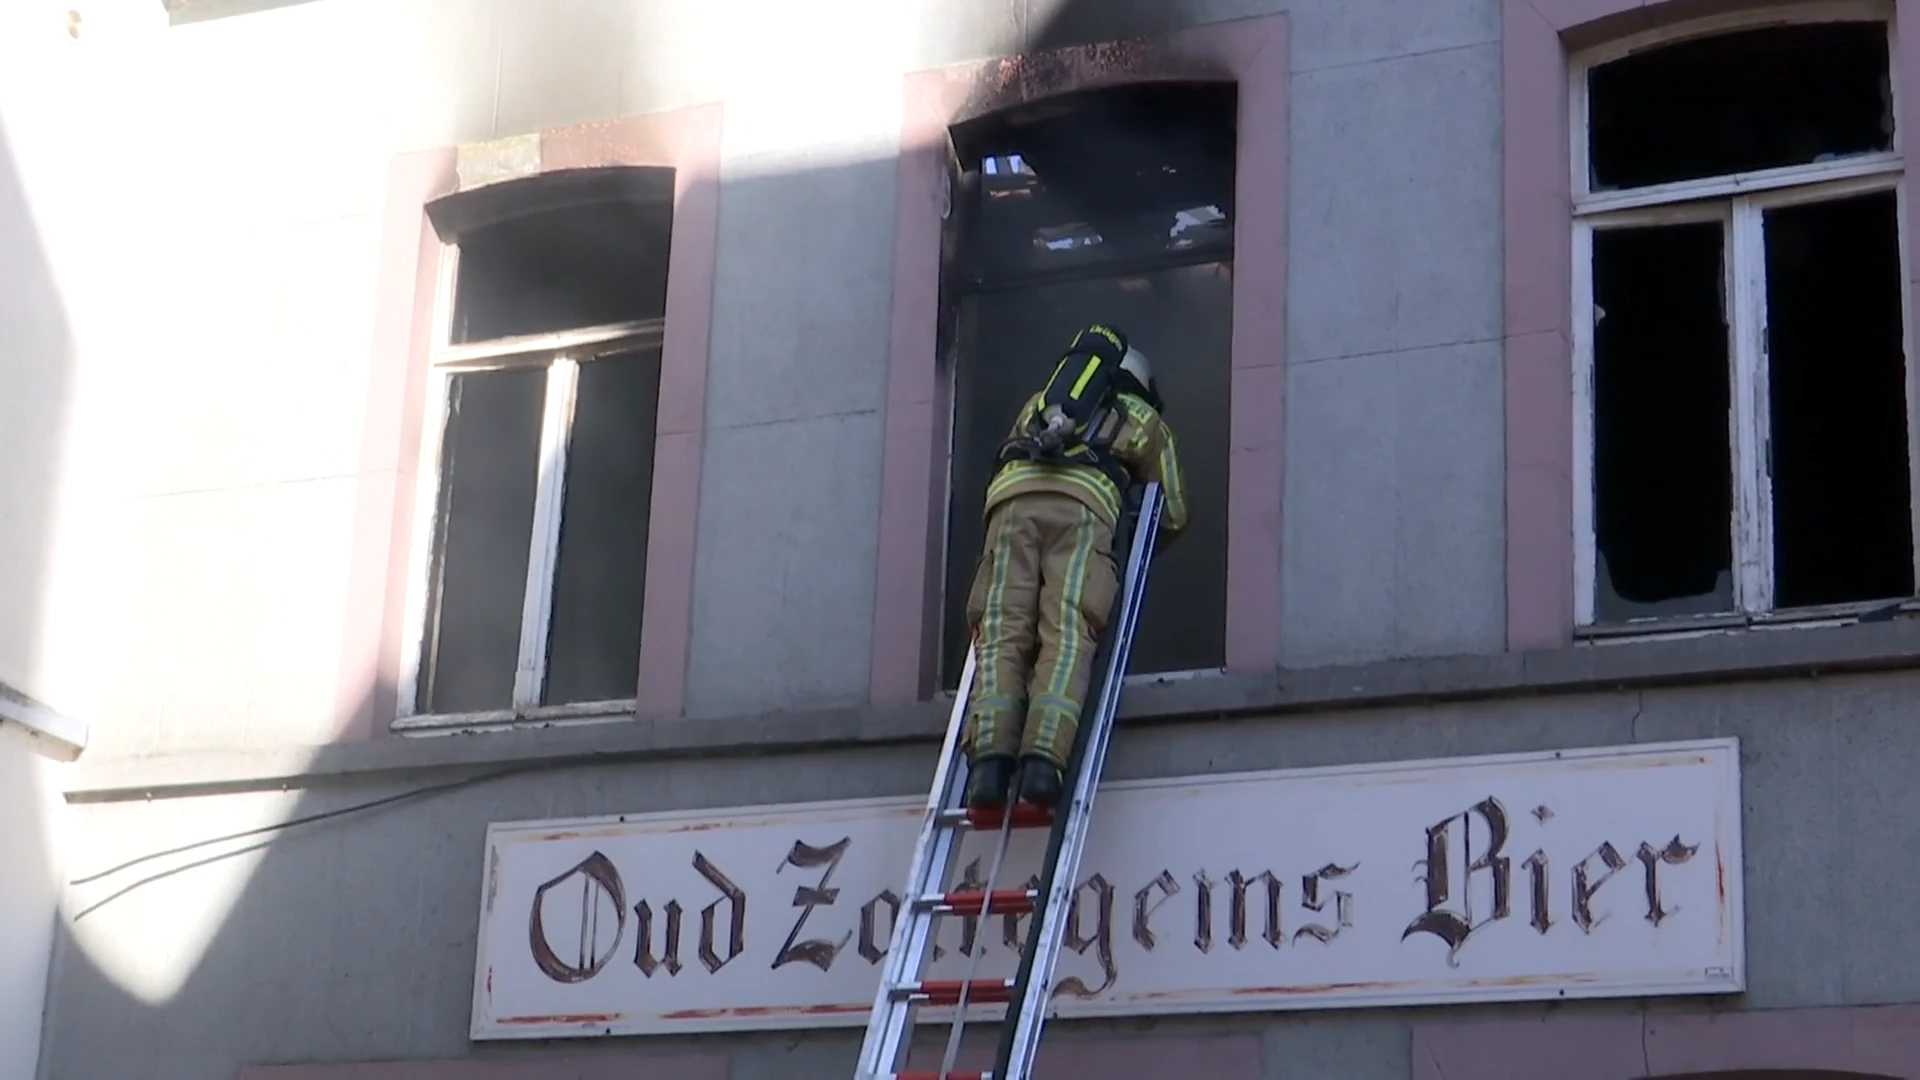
[(65, 735)]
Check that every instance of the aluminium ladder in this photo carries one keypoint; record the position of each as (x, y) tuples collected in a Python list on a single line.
[(1027, 995)]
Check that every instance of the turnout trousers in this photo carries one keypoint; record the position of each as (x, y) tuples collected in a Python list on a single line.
[(1040, 600)]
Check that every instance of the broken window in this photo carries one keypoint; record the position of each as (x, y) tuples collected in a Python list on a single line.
[(1744, 352), (550, 377), (1740, 102), (1113, 206)]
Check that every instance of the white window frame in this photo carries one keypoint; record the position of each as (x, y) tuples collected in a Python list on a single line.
[(1739, 201), (561, 354)]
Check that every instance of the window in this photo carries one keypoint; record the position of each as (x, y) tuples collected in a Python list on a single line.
[(1109, 206), (1742, 442), (530, 580)]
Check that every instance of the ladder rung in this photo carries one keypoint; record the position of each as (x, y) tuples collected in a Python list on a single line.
[(1025, 816), (975, 902), (947, 991)]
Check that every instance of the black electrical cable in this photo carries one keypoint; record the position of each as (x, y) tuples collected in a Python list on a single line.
[(310, 819)]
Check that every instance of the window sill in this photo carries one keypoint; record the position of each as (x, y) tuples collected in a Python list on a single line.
[(1668, 628), (1696, 660), (1131, 683), (547, 716)]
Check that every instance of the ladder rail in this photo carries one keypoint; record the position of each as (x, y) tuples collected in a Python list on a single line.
[(912, 934), (1028, 995), (1033, 986)]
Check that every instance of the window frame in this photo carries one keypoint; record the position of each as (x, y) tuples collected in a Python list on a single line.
[(561, 353), (1739, 201)]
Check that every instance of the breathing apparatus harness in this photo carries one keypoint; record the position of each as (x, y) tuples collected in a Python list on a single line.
[(1075, 423)]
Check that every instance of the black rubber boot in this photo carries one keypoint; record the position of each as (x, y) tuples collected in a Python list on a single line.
[(1041, 782), (987, 782)]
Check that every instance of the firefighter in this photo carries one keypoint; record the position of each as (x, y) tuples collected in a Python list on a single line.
[(1047, 579)]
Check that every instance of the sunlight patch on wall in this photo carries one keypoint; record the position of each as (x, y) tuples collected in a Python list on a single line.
[(158, 885), (806, 81)]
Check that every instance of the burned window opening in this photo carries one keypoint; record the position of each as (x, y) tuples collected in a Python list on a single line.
[(1116, 206), (1740, 101), (1142, 173)]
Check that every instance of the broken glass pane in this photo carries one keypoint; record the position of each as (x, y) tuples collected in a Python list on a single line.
[(1662, 459), (1736, 102)]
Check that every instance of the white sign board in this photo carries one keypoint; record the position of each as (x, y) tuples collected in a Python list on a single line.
[(1588, 873)]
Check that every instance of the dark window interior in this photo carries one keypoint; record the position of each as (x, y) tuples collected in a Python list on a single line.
[(1111, 179), (484, 533), (1662, 457), (563, 268), (1752, 99), (1842, 521), (1101, 207), (594, 639)]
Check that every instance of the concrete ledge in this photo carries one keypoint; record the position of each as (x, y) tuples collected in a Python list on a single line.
[(1734, 656), (65, 736)]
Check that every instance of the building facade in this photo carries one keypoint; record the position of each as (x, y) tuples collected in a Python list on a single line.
[(425, 419)]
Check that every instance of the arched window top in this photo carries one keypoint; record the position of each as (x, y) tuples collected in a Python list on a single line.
[(548, 192), (558, 251)]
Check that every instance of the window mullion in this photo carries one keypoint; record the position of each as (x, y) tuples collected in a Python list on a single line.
[(537, 611), (423, 561), (1586, 541), (1901, 213), (1751, 415)]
